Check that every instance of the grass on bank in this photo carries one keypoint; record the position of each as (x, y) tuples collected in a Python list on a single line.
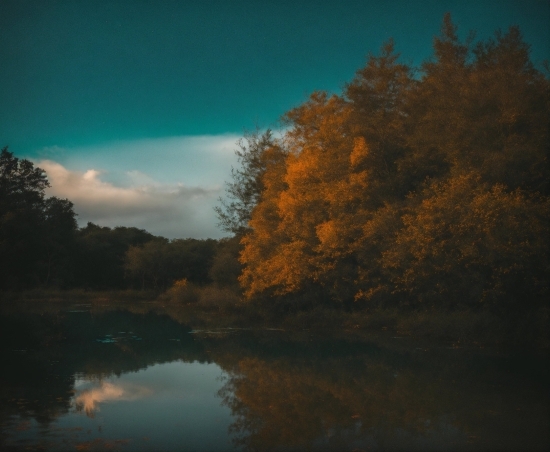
[(219, 307), (77, 295), (222, 307)]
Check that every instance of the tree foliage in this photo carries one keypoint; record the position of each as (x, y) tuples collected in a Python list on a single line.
[(427, 190), (159, 262), (36, 233), (101, 252), (243, 193)]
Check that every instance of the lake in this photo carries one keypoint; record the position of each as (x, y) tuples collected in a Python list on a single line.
[(80, 378)]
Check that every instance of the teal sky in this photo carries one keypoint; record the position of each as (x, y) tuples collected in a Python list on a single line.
[(85, 84)]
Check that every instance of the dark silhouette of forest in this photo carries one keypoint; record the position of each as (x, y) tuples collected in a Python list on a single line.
[(420, 188), (41, 245)]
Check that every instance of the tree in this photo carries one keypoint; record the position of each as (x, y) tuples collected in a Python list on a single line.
[(101, 252), (427, 192), (244, 192), (226, 268), (60, 229), (34, 232), (260, 255), (147, 262), (470, 245), (21, 184), (340, 168), (378, 97), (160, 262)]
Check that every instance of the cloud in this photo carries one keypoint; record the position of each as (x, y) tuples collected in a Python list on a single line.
[(203, 160), (168, 186), (170, 210)]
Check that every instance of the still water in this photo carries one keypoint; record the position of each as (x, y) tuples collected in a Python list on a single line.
[(77, 378)]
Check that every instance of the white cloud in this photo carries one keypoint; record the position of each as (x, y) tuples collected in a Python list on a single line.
[(170, 210), (168, 186), (194, 160)]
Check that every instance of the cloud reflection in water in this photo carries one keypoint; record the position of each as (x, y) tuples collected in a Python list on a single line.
[(88, 399)]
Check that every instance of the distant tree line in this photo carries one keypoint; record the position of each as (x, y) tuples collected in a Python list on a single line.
[(422, 187), (41, 245)]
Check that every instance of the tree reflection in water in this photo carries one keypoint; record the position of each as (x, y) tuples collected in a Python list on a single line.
[(380, 399), (284, 393)]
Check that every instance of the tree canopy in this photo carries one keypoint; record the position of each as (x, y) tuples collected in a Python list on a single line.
[(420, 186), (36, 233), (244, 192)]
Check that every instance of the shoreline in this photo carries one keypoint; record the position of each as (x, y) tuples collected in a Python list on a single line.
[(457, 328)]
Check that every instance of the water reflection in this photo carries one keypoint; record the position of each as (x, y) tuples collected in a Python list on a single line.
[(292, 405), (143, 381), (88, 399), (324, 394)]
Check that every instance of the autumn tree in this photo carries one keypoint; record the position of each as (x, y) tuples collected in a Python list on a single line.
[(337, 173), (379, 97), (509, 126), (428, 190), (301, 193), (471, 245)]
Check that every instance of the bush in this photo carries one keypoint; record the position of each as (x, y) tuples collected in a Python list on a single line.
[(218, 298), (182, 292)]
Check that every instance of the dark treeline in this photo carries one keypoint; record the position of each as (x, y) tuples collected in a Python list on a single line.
[(422, 188), (41, 245)]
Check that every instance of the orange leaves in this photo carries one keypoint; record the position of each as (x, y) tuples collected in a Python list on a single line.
[(327, 234), (465, 236), (280, 272), (181, 283), (315, 216), (412, 188), (360, 151)]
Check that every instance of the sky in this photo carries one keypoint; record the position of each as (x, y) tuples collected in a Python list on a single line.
[(134, 108)]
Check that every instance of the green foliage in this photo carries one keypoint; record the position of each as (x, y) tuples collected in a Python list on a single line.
[(59, 241), (244, 192), (36, 234), (21, 184), (226, 268), (160, 262), (101, 252)]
